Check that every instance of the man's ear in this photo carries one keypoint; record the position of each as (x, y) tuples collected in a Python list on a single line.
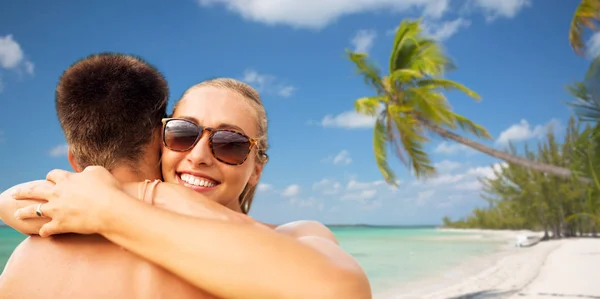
[(72, 161)]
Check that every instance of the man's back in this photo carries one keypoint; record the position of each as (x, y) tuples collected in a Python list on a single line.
[(78, 266)]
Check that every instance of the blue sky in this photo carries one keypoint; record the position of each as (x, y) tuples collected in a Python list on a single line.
[(514, 53)]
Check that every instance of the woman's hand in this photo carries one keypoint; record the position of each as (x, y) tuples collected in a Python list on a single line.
[(8, 207), (76, 202)]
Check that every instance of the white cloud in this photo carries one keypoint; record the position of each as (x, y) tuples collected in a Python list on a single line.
[(262, 187), (488, 171), (436, 8), (452, 148), (360, 196), (29, 67), (327, 187), (424, 197), (440, 179), (593, 46), (342, 158), (356, 185), (354, 195), (347, 120), (473, 175), (316, 14), (444, 30), (469, 186), (310, 202), (458, 180), (12, 56), (267, 83), (446, 166), (59, 150), (494, 9), (523, 131), (291, 191), (363, 40)]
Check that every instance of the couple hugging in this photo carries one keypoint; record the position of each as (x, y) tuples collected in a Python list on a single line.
[(157, 206)]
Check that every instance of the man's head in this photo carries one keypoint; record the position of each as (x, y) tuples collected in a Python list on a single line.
[(110, 108)]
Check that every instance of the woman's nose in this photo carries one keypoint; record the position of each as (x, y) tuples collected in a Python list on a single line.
[(201, 153)]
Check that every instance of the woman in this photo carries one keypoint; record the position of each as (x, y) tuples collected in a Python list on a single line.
[(207, 149)]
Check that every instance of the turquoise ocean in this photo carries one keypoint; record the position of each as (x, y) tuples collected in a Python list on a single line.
[(391, 256)]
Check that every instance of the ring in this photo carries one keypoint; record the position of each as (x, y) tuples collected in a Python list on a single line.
[(38, 210)]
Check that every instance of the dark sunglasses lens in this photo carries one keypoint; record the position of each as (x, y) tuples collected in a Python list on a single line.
[(180, 135), (230, 147)]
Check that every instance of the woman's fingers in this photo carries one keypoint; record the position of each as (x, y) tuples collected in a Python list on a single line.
[(57, 175), (49, 229), (31, 211), (42, 190)]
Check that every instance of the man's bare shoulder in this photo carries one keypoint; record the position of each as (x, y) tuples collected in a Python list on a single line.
[(87, 266)]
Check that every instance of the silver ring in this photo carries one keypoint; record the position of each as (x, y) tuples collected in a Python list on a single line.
[(38, 210)]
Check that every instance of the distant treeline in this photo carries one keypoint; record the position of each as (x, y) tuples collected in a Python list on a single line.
[(519, 198)]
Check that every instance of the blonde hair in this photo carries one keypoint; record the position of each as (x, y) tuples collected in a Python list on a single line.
[(247, 196)]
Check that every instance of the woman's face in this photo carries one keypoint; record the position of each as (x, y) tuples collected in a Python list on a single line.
[(197, 168)]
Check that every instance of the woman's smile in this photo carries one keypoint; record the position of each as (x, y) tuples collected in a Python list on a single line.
[(197, 182)]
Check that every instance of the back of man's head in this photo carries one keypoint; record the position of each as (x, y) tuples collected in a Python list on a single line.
[(109, 105)]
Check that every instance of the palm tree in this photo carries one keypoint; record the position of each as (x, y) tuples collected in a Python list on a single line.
[(409, 104), (586, 15)]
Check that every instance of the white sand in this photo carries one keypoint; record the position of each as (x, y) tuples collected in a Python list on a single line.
[(554, 269)]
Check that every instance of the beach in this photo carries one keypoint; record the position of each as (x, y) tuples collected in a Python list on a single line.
[(563, 268)]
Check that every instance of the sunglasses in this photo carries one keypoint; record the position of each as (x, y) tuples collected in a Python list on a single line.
[(227, 146)]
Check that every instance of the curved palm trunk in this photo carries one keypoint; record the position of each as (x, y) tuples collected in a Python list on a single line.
[(542, 167)]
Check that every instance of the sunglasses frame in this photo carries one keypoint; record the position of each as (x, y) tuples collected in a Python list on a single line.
[(211, 132)]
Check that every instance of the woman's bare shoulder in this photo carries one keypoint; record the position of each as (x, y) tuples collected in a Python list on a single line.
[(306, 228)]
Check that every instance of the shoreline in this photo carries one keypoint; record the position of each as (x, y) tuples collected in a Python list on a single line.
[(509, 271)]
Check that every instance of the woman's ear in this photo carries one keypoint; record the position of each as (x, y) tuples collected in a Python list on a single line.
[(256, 173)]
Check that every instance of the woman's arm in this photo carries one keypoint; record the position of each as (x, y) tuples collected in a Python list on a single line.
[(231, 259), (8, 207), (171, 197)]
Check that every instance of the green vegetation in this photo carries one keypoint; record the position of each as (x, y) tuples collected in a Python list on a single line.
[(519, 198), (409, 104), (563, 206)]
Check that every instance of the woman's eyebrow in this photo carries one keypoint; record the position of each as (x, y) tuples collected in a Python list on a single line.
[(220, 126), (229, 126)]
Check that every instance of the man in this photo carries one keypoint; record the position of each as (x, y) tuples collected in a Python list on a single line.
[(110, 108)]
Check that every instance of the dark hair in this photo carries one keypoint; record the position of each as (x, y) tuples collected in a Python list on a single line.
[(109, 106)]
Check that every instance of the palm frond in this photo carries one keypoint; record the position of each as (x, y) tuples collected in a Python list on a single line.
[(380, 149), (412, 139), (586, 15), (405, 76), (448, 85), (404, 42), (431, 105), (368, 105), (370, 73), (469, 126)]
